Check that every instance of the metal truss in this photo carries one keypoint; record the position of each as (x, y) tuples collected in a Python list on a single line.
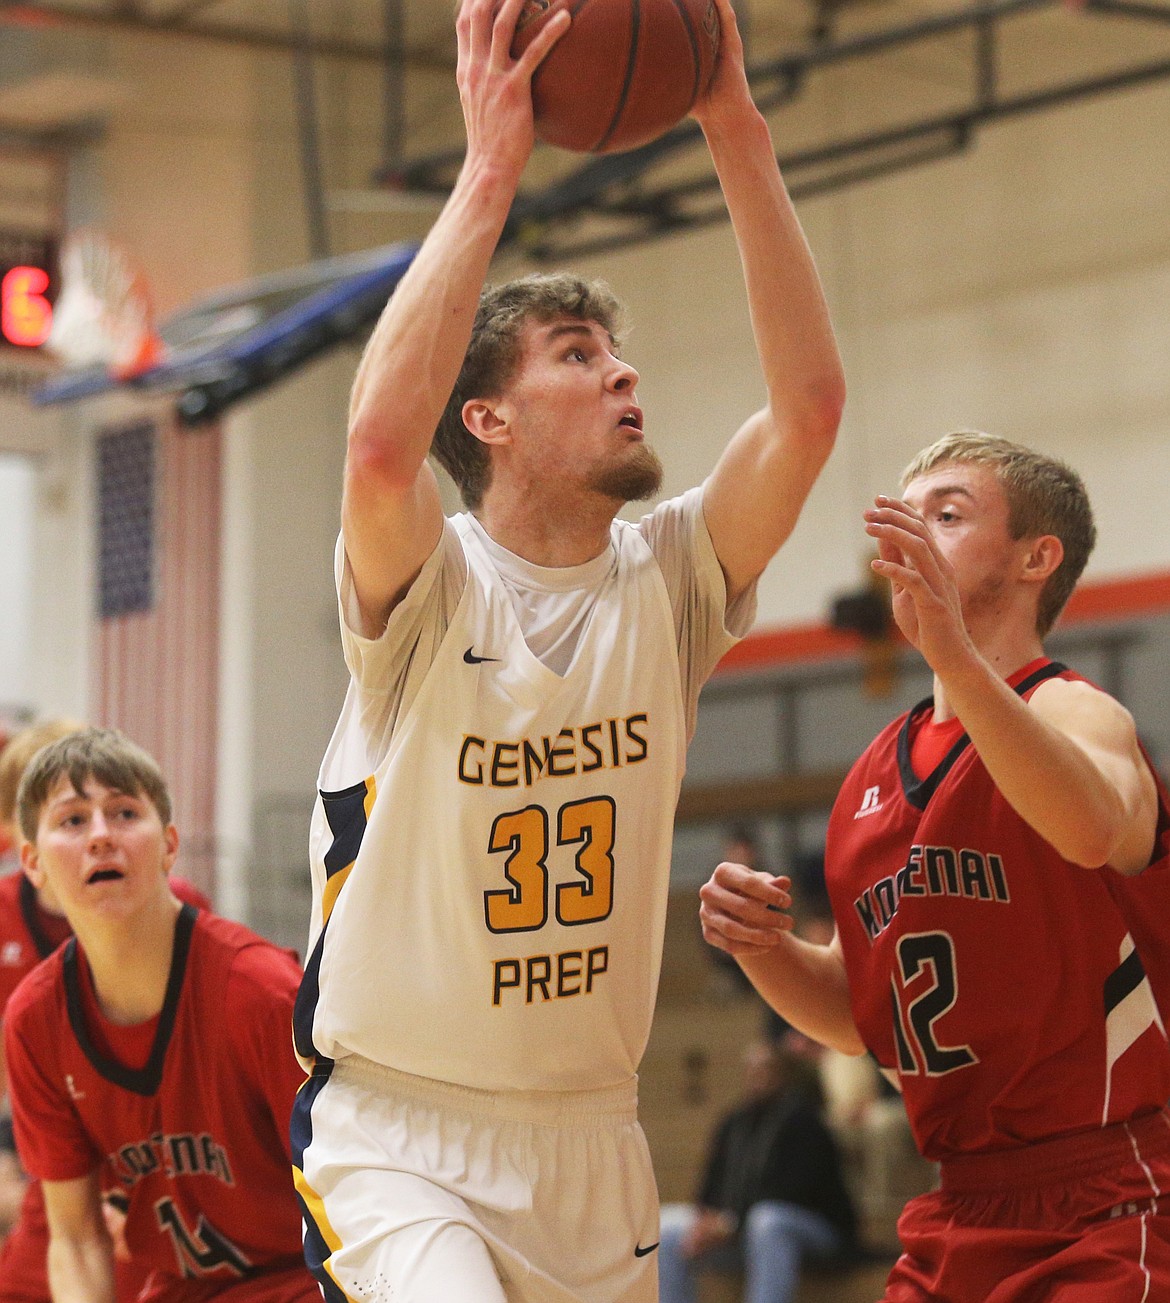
[(609, 202), (184, 22)]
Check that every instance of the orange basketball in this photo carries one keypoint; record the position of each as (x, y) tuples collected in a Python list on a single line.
[(624, 72)]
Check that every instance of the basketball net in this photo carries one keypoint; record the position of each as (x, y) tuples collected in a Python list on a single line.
[(103, 315)]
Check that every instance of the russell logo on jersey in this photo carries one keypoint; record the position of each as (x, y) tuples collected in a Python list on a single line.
[(870, 803)]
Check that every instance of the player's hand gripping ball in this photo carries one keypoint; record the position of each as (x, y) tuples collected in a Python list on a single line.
[(625, 72)]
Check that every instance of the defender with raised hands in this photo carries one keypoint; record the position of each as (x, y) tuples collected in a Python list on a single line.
[(492, 841), (997, 862)]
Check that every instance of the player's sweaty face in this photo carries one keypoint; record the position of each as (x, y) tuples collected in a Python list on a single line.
[(99, 842), (574, 405), (966, 511)]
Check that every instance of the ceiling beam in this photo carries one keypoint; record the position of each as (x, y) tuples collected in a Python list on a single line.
[(120, 20), (546, 224)]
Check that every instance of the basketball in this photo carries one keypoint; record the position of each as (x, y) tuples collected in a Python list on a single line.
[(624, 72)]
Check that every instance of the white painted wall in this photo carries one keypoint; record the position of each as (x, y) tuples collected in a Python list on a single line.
[(1020, 288), (17, 506)]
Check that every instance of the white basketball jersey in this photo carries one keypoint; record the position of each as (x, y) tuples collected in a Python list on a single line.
[(489, 901)]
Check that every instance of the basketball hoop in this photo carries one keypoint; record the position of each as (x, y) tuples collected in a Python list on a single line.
[(103, 316)]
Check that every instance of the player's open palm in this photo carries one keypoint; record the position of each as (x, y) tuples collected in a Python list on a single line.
[(925, 599), (495, 88)]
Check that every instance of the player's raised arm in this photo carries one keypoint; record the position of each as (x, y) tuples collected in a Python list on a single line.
[(1069, 764), (1067, 760), (755, 494), (391, 518), (81, 1254)]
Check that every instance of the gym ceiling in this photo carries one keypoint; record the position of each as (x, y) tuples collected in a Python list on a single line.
[(854, 89)]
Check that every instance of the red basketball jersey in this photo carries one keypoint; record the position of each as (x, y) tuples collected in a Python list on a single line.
[(1004, 985), (28, 934), (197, 1140)]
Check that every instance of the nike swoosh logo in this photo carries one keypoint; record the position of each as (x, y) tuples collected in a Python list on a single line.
[(640, 1252), (472, 659)]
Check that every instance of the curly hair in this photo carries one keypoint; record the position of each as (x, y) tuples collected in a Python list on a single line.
[(493, 353)]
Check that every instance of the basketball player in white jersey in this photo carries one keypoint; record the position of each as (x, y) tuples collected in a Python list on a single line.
[(491, 845)]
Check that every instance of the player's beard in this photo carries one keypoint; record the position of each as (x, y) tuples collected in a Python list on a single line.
[(634, 479)]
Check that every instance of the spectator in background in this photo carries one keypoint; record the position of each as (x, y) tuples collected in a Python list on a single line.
[(32, 926), (808, 877), (772, 1194)]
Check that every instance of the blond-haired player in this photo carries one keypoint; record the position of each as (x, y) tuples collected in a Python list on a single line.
[(997, 862)]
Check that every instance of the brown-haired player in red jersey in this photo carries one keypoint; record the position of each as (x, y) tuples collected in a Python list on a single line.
[(32, 926), (151, 1053), (998, 867)]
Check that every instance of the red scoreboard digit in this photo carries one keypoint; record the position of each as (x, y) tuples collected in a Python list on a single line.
[(29, 281)]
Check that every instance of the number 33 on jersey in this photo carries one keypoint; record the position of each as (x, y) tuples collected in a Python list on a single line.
[(499, 882)]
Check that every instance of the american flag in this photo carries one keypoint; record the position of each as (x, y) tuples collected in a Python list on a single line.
[(156, 661)]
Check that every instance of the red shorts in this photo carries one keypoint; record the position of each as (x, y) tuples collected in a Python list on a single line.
[(1081, 1219)]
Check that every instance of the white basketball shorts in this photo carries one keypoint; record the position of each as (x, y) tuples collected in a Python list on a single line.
[(417, 1191)]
